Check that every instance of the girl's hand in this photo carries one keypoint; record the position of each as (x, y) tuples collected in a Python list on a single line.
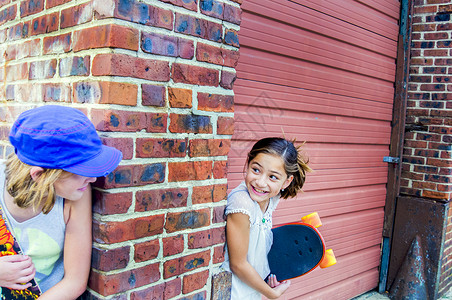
[(278, 287), (16, 271)]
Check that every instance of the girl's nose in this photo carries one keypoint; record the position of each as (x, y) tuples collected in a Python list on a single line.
[(261, 181)]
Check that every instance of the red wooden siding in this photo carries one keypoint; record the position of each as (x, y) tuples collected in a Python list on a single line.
[(323, 72)]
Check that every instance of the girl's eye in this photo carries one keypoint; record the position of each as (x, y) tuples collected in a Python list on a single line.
[(255, 170), (273, 177)]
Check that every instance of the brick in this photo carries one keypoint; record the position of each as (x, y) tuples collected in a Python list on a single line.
[(443, 52), (57, 44), (187, 220), (424, 9), (215, 102), (58, 92), (180, 98), (76, 15), (424, 27), (173, 288), (116, 232), (128, 66), (122, 144), (153, 95), (43, 69), (23, 50), (154, 292), (190, 170), (206, 238), (209, 193), (105, 92), (160, 147), (438, 178), (438, 162), (133, 175), (433, 87), (421, 61), (173, 245), (185, 264), (161, 44), (18, 31), (431, 104), (110, 204), (220, 169), (88, 295), (195, 281), (444, 44), (110, 259), (190, 124), (436, 35), (147, 250), (227, 79), (225, 125), (209, 53), (121, 282), (106, 36), (128, 121), (141, 13), (218, 215), (45, 24), (233, 14), (161, 199), (74, 66), (231, 37), (189, 74), (188, 4), (445, 26), (53, 3), (8, 14), (198, 296), (4, 2), (436, 195), (30, 7), (218, 254), (210, 147), (202, 28), (212, 8)]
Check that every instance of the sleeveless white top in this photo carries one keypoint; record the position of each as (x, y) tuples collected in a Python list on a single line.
[(41, 238), (260, 241)]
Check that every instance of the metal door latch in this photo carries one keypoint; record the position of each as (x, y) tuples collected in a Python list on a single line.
[(391, 159)]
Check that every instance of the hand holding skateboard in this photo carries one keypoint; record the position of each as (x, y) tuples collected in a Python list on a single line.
[(298, 248)]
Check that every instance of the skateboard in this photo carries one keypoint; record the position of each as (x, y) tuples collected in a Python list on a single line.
[(9, 246), (298, 248)]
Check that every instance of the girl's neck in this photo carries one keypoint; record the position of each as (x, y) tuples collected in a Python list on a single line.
[(264, 205), (18, 213)]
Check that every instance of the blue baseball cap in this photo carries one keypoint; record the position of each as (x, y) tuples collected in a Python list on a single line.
[(61, 137)]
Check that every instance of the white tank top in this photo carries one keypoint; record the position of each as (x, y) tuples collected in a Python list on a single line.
[(41, 238)]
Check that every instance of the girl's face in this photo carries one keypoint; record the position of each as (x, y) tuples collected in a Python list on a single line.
[(72, 186), (265, 177)]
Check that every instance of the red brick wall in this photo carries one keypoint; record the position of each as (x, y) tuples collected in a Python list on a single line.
[(156, 78), (427, 161)]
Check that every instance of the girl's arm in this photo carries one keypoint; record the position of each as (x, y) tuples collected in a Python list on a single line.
[(77, 250), (237, 237)]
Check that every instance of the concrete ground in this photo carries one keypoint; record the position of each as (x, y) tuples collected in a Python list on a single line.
[(373, 295)]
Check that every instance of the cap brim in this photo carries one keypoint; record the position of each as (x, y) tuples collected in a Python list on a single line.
[(100, 165)]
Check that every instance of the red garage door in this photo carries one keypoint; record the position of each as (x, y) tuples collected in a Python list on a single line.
[(323, 72)]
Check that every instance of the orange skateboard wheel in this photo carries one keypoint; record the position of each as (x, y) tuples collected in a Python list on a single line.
[(328, 260), (312, 219)]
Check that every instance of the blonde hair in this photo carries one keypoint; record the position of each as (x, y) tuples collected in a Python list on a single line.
[(28, 192)]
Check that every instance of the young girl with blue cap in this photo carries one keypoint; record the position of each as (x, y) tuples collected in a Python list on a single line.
[(45, 194)]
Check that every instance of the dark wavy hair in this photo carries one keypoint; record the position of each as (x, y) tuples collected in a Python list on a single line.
[(294, 162)]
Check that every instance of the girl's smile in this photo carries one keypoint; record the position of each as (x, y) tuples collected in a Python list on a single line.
[(265, 177)]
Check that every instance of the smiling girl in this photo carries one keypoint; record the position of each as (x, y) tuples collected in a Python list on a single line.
[(274, 169), (45, 194)]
